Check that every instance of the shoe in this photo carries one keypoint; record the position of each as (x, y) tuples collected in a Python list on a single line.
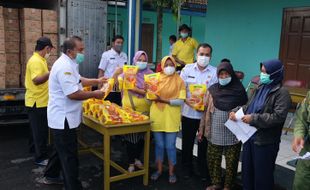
[(138, 164), (155, 176), (42, 163), (172, 179), (131, 168), (50, 180)]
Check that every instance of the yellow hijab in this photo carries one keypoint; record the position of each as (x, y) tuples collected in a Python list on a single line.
[(169, 86)]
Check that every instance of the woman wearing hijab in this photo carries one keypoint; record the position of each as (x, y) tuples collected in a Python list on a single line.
[(222, 97), (266, 111), (165, 113), (135, 99)]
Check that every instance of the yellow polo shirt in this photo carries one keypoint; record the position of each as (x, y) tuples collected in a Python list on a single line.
[(36, 66), (185, 51)]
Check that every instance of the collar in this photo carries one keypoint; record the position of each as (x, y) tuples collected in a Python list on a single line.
[(187, 39), (39, 56), (197, 68), (115, 52), (67, 58)]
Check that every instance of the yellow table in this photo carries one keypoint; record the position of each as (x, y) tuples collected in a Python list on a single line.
[(297, 94), (110, 130)]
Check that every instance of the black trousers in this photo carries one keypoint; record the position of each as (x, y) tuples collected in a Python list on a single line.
[(65, 158), (189, 130), (115, 97), (134, 150), (39, 131), (258, 164)]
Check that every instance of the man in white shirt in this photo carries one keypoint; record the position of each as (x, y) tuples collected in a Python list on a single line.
[(200, 72), (65, 111), (110, 61)]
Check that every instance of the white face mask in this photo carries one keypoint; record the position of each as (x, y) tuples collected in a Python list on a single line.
[(203, 61), (46, 56), (169, 70), (142, 65)]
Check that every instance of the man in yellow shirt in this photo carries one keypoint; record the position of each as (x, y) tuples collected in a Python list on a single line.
[(36, 97), (184, 49)]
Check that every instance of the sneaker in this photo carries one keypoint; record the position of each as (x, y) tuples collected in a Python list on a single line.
[(131, 168), (50, 180), (138, 164), (42, 163)]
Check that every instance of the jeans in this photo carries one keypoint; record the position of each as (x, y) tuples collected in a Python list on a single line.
[(166, 141)]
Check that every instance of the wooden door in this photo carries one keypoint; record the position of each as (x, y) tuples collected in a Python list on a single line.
[(295, 44), (147, 40)]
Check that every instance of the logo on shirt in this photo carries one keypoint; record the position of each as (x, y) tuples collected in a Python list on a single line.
[(67, 73)]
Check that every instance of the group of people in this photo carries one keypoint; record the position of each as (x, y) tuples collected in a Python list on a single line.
[(54, 100)]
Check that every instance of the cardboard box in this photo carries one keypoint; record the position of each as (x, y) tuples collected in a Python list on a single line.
[(2, 58), (50, 27), (31, 26), (10, 13), (54, 39), (49, 15), (31, 14), (11, 24), (2, 75), (12, 47), (30, 37), (12, 36), (13, 58), (12, 78), (2, 45)]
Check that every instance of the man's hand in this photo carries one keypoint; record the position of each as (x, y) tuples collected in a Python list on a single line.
[(101, 80), (232, 116), (298, 144), (98, 94), (118, 71), (190, 102), (247, 118)]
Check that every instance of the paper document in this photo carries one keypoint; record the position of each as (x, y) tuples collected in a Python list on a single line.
[(304, 157), (243, 131)]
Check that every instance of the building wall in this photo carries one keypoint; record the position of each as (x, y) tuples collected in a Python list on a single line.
[(169, 26), (247, 32)]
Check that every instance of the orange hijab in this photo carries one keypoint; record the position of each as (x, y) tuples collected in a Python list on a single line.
[(169, 86)]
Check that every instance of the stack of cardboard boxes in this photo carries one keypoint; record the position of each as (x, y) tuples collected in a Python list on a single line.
[(19, 31)]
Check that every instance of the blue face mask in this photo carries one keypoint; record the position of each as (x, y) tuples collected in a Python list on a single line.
[(142, 65), (265, 78), (80, 58), (224, 82)]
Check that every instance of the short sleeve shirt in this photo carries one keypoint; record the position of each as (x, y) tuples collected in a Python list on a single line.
[(64, 80), (36, 94), (192, 75), (110, 60), (185, 51)]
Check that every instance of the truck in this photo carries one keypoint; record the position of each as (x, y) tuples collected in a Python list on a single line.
[(84, 18)]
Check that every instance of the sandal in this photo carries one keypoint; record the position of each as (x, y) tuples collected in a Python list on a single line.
[(172, 179), (155, 176), (131, 168), (138, 164)]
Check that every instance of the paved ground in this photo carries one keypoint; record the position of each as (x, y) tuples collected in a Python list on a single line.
[(17, 171)]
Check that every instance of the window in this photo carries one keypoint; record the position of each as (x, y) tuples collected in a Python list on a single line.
[(111, 31)]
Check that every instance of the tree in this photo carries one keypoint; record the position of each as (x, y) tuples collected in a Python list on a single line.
[(159, 5)]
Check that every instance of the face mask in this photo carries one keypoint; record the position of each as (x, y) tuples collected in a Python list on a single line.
[(80, 58), (46, 56), (141, 65), (224, 82), (203, 61), (183, 35), (169, 70), (118, 47), (265, 78)]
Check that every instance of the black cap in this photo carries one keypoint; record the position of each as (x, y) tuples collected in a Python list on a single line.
[(44, 41), (184, 26)]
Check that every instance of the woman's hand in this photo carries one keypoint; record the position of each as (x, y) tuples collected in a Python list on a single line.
[(199, 136), (247, 119), (232, 116)]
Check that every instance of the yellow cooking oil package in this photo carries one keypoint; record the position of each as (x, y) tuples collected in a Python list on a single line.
[(130, 74), (197, 94), (107, 87), (152, 81)]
